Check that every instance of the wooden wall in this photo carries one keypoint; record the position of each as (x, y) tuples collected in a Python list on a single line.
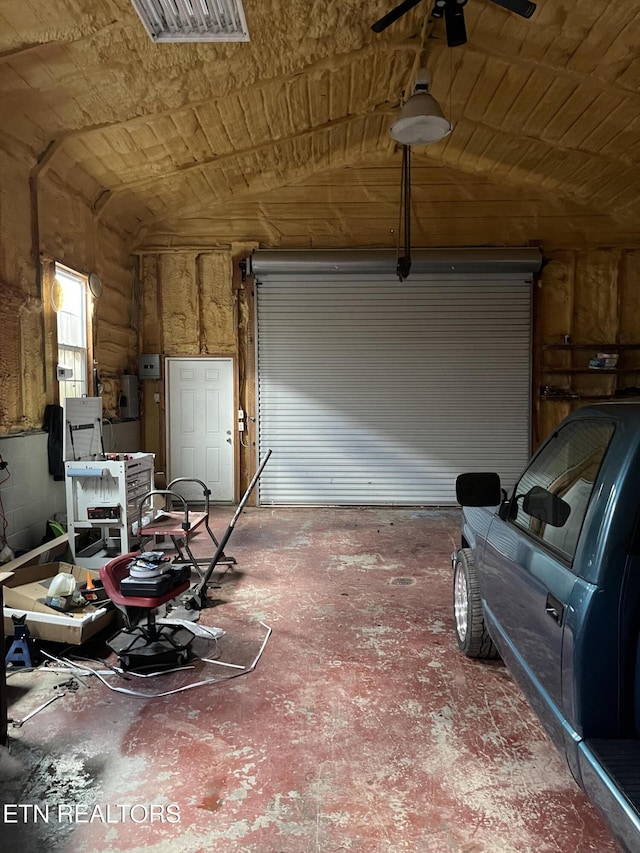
[(67, 232), (359, 206), (194, 303), (592, 297)]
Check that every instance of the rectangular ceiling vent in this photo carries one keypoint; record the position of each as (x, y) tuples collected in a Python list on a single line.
[(193, 20)]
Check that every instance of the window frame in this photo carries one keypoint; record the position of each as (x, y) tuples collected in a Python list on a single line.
[(514, 509), (86, 321)]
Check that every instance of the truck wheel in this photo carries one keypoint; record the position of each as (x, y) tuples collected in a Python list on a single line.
[(471, 633)]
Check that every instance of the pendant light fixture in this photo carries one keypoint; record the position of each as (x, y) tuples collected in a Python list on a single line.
[(421, 122)]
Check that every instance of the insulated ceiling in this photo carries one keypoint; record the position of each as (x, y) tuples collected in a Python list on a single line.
[(156, 134)]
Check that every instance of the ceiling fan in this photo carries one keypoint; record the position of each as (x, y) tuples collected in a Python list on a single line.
[(453, 13)]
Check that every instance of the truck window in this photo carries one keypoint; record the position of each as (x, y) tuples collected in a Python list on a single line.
[(567, 466)]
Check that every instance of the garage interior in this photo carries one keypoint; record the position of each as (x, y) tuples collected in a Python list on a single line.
[(168, 170)]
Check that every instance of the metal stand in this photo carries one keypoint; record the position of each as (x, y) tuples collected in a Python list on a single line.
[(179, 525), (20, 652), (196, 598)]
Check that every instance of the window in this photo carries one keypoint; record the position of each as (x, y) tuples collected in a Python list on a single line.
[(551, 499), (73, 354)]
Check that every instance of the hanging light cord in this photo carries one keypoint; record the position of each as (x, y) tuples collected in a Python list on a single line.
[(406, 174), (404, 261)]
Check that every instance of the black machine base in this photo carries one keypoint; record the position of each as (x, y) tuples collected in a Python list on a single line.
[(136, 651)]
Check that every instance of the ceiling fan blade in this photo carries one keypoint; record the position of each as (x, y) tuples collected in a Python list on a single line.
[(520, 7), (454, 20), (393, 15)]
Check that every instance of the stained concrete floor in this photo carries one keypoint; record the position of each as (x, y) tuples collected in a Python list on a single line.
[(362, 728)]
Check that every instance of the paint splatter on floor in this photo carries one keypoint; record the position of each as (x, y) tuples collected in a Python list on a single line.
[(362, 728)]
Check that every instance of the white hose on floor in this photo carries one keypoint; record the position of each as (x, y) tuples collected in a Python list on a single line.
[(98, 674)]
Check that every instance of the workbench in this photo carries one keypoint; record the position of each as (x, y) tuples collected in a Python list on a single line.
[(103, 490), (103, 495)]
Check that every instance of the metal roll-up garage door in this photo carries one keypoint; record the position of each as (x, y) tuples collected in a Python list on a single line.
[(375, 391)]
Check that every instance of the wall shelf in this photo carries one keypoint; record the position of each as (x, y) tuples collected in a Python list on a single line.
[(594, 371), (592, 397), (600, 347), (576, 355)]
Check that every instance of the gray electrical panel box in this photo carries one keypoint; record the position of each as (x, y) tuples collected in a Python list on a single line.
[(149, 366), (129, 397)]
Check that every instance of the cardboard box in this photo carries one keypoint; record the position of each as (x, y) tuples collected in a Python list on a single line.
[(25, 592), (54, 549)]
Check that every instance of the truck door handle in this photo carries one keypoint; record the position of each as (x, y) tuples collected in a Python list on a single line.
[(554, 608)]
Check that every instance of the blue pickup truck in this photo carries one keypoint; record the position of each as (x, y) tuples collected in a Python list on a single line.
[(548, 578)]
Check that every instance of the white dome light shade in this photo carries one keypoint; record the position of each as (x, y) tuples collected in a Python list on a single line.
[(421, 121)]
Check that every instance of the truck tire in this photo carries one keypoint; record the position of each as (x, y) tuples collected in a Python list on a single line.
[(471, 633)]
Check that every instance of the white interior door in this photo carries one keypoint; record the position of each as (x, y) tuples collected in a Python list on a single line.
[(200, 424)]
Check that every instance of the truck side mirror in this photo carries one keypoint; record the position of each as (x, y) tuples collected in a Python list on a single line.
[(481, 489), (546, 507)]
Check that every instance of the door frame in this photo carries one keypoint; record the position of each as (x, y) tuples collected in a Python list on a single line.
[(235, 393)]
